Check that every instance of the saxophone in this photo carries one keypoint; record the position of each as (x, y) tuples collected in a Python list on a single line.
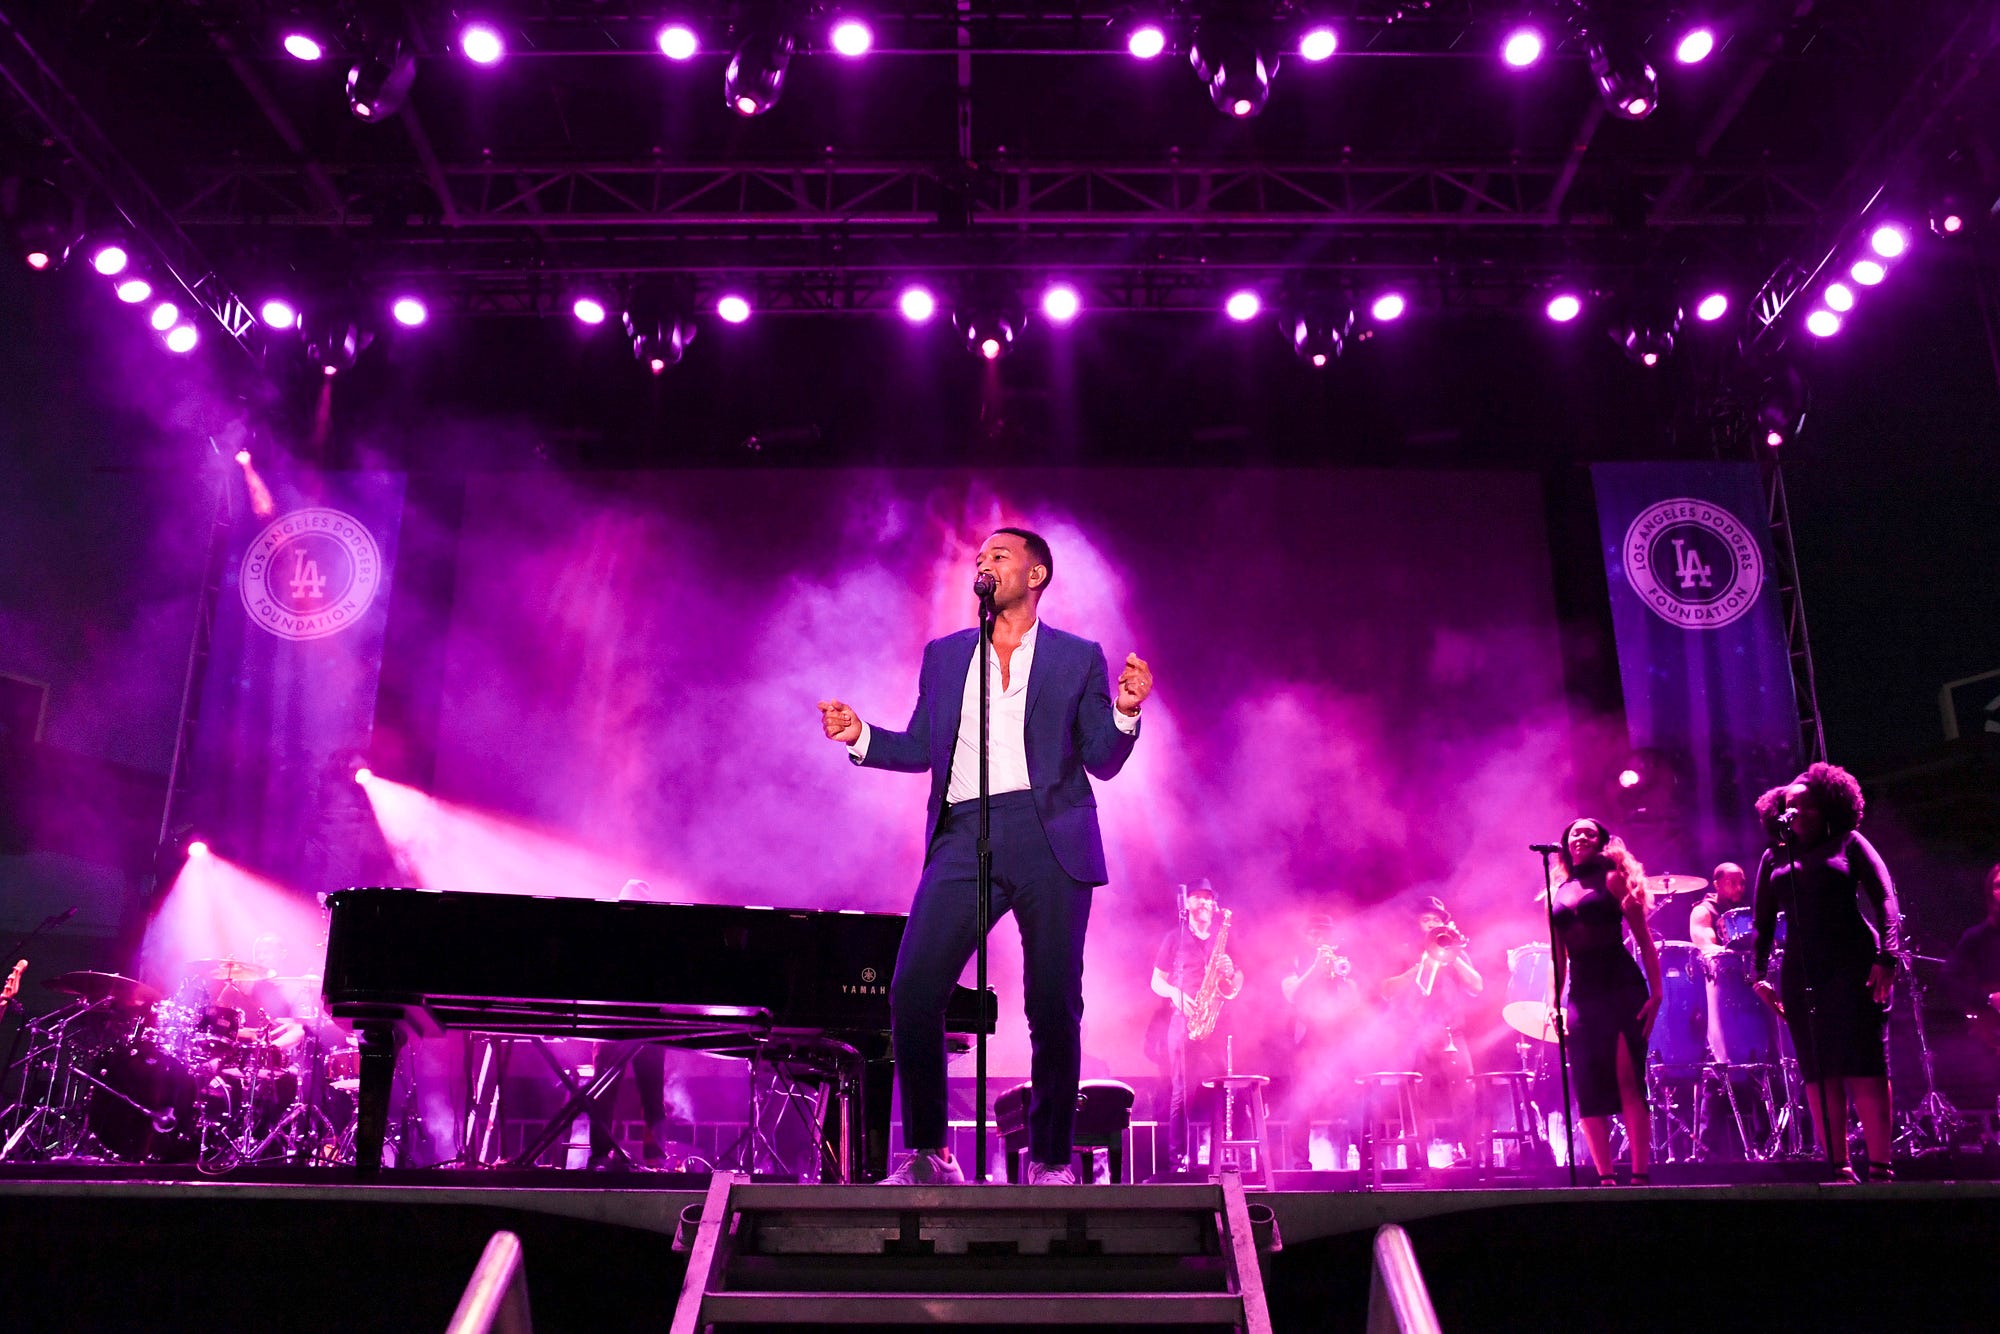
[(1206, 1008)]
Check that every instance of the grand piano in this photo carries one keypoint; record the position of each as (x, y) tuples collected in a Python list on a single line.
[(708, 977)]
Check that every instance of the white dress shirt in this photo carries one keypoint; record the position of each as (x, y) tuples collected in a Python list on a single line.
[(1007, 760)]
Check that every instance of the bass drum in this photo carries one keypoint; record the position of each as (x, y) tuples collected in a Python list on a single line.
[(1742, 1029), (1530, 974), (166, 1131), (1737, 930), (1680, 1031)]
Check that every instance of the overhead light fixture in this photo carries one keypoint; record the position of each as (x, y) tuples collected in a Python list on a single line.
[(109, 257), (278, 313), (1626, 82), (1319, 332), (1523, 47), (379, 81), (44, 225), (133, 289), (1823, 323), (1236, 67), (732, 308), (481, 43), (851, 37), (660, 326), (1388, 307), (917, 304), (1243, 305), (1839, 298), (1563, 307), (164, 316), (334, 340), (678, 41), (302, 46), (1695, 46), (1145, 39), (1319, 43), (988, 333), (409, 311), (182, 338), (1712, 307), (1889, 241), (1060, 303), (588, 310), (754, 79)]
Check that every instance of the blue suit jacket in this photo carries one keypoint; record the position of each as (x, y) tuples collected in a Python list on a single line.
[(1069, 734)]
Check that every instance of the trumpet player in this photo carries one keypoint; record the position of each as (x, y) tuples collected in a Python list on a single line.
[(1187, 965), (1326, 1028), (1431, 997)]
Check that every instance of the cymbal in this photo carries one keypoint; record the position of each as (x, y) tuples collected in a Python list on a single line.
[(1673, 886), (94, 987), (237, 971), (1529, 1018), (298, 977)]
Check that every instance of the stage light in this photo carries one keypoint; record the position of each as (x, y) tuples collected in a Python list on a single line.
[(165, 316), (277, 313), (755, 76), (733, 309), (1889, 241), (1522, 48), (987, 333), (1563, 307), (917, 304), (1319, 43), (363, 774), (1628, 778), (851, 37), (302, 46), (481, 43), (198, 848), (1712, 307), (110, 259), (1237, 68), (1839, 298), (409, 311), (378, 82), (1614, 44), (588, 309), (1388, 307), (1696, 46), (659, 321), (1648, 336), (1319, 333), (1146, 41), (1243, 306), (43, 227), (333, 336), (134, 290), (182, 338), (1867, 272), (1948, 224), (1061, 303), (1823, 324), (1774, 438), (678, 42), (329, 371)]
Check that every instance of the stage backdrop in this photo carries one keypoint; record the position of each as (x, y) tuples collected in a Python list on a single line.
[(1358, 700)]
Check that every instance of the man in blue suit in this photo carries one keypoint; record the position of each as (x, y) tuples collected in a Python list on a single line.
[(1055, 720)]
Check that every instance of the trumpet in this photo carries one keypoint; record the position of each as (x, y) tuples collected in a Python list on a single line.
[(1337, 965), (1449, 938)]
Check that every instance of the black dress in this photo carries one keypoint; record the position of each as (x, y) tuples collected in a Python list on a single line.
[(1606, 988), (1841, 920)]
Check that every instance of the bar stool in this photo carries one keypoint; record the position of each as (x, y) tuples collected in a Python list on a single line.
[(1510, 1088), (1389, 1121), (1249, 1094), (1103, 1116)]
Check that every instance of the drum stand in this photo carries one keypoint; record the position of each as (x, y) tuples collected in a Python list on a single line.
[(1934, 1118), (1720, 1075), (1667, 1121)]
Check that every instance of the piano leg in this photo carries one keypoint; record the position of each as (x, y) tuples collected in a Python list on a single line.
[(379, 1045), (871, 1137)]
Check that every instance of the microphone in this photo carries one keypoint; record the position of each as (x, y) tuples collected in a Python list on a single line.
[(985, 585), (1553, 849), (63, 916)]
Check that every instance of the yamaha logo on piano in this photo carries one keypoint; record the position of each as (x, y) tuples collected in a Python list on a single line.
[(868, 987)]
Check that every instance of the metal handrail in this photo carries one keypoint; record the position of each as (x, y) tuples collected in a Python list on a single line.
[(496, 1300), (1398, 1301)]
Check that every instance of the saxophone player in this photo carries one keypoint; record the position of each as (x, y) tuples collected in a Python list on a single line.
[(1187, 966)]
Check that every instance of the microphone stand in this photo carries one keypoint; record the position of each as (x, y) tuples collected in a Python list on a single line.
[(1562, 1024), (983, 912), (13, 952)]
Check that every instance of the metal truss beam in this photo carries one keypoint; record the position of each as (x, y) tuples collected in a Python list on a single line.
[(52, 105), (661, 196)]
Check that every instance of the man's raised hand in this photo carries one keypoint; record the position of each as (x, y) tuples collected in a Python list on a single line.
[(1134, 684), (842, 724)]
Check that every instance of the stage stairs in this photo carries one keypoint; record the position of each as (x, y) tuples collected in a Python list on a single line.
[(1183, 1256)]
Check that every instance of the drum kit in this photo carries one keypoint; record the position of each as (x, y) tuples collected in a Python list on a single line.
[(1714, 1038), (236, 1067)]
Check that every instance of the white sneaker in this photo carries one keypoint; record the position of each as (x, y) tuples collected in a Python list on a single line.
[(1041, 1174), (924, 1168)]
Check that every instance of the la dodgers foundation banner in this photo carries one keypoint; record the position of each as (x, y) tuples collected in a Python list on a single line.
[(1701, 642), (293, 671)]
